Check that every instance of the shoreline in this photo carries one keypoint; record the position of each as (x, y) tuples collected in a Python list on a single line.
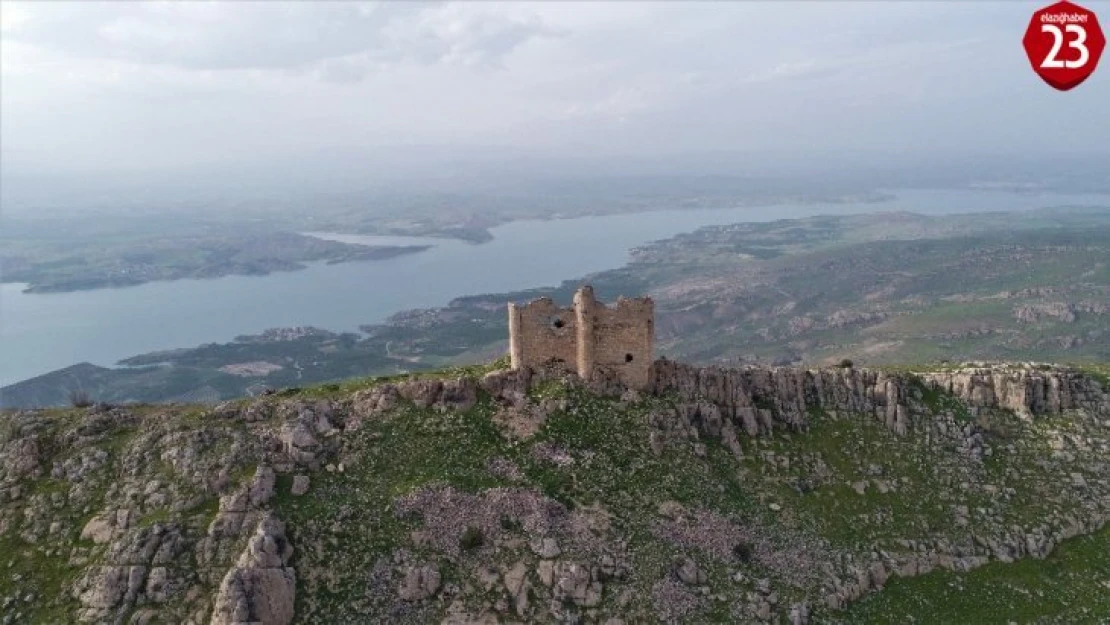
[(343, 309)]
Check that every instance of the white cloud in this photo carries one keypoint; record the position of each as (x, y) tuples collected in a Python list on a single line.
[(241, 35), (145, 84)]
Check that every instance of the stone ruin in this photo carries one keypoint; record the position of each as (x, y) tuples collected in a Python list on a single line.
[(587, 338)]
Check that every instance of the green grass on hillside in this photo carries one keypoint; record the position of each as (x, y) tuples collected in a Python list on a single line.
[(793, 488), (1071, 586)]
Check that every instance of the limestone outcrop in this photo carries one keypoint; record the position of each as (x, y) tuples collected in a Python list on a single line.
[(760, 399), (1028, 391), (261, 587)]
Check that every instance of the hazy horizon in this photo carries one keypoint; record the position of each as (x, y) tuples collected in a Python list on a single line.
[(128, 89)]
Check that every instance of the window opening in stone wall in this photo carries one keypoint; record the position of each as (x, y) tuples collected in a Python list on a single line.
[(587, 335)]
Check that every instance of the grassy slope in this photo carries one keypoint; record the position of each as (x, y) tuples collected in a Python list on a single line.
[(627, 480), (1070, 586), (345, 524)]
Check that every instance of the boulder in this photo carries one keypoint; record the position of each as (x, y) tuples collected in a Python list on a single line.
[(99, 529), (687, 571), (419, 582), (300, 485), (573, 581)]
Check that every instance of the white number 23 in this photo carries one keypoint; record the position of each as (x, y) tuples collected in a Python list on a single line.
[(1051, 61)]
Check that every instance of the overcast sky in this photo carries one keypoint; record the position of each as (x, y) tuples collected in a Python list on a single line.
[(101, 86)]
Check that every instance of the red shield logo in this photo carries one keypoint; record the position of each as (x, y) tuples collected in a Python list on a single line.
[(1064, 42)]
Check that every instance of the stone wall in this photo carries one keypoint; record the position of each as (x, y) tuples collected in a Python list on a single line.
[(542, 334), (620, 340), (588, 337)]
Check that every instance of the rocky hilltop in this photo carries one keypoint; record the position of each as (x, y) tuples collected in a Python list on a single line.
[(485, 495)]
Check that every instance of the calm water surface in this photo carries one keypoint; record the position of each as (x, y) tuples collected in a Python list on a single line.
[(45, 331)]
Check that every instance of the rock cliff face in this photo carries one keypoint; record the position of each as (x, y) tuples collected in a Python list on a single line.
[(760, 399), (1028, 391), (260, 588), (755, 493)]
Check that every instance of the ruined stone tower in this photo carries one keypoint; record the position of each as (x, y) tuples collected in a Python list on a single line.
[(587, 337)]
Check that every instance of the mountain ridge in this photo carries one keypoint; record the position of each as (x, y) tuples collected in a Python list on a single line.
[(490, 495)]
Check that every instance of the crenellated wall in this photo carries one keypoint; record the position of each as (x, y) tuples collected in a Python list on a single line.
[(588, 337), (542, 334)]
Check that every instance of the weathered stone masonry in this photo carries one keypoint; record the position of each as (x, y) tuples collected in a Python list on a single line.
[(587, 338)]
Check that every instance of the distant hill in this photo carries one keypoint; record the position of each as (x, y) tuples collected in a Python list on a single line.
[(875, 289), (55, 388)]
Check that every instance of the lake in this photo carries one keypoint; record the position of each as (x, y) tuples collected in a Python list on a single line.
[(41, 332)]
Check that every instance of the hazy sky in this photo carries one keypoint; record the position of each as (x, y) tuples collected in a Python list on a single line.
[(94, 86)]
